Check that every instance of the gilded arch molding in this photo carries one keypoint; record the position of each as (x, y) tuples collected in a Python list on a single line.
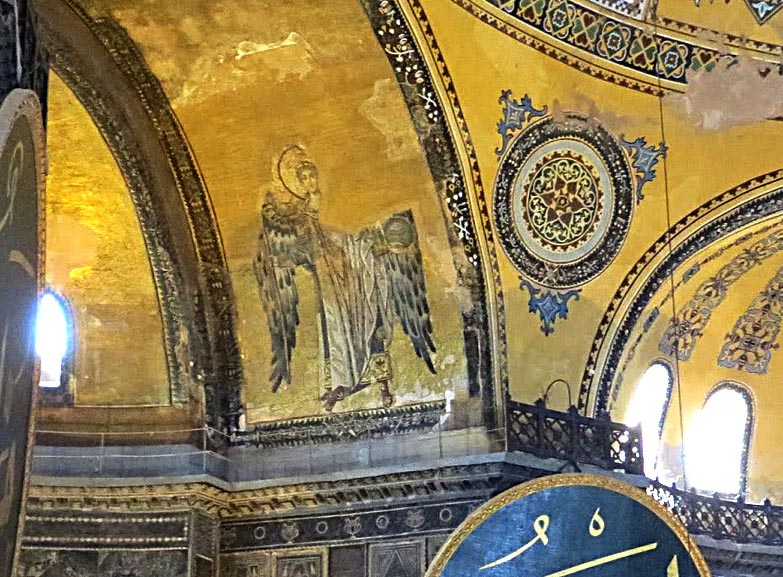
[(404, 33), (107, 73), (750, 202)]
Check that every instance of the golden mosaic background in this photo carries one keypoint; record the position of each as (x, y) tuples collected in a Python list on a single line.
[(312, 73)]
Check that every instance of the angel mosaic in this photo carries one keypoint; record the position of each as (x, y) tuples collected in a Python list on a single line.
[(366, 282)]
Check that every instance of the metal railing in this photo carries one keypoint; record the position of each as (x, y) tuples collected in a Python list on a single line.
[(720, 518), (533, 429), (546, 433)]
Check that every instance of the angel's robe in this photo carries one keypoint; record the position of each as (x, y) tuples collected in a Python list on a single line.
[(364, 281), (354, 297)]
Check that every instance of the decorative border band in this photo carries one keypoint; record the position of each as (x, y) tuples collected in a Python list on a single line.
[(633, 54), (760, 206)]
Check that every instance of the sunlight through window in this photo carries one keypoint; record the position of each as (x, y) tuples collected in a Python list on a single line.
[(717, 441), (648, 409), (51, 339)]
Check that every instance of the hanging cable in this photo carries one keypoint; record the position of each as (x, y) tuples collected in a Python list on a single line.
[(670, 248)]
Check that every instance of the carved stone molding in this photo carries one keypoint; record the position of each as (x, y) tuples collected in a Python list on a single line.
[(451, 482), (349, 426), (351, 526), (65, 529)]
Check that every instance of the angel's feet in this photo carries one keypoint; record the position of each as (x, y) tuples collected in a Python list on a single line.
[(333, 396), (386, 397)]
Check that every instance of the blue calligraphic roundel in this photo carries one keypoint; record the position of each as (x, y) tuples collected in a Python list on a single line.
[(582, 525), (22, 178)]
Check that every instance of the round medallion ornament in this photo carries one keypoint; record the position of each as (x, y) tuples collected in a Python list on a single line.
[(581, 525), (563, 200), (22, 182)]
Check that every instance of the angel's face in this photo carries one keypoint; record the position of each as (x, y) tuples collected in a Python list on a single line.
[(308, 179)]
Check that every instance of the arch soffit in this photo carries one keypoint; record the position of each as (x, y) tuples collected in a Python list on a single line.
[(749, 203), (106, 72)]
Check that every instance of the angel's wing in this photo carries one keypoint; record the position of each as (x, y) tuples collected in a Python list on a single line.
[(405, 276), (275, 266)]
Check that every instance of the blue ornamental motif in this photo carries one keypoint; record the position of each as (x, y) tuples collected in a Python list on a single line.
[(548, 304), (516, 114), (564, 198), (762, 10), (644, 159)]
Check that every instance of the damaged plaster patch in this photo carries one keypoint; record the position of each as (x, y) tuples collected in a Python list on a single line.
[(290, 57), (734, 93), (609, 119), (385, 111), (219, 48)]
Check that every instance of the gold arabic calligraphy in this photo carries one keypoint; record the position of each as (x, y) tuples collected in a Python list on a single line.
[(540, 525), (595, 528)]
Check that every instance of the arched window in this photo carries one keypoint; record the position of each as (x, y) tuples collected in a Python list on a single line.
[(717, 444), (648, 408), (53, 340)]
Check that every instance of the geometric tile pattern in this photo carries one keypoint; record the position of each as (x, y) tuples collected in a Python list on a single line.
[(299, 566), (749, 345), (633, 8), (684, 330), (632, 46)]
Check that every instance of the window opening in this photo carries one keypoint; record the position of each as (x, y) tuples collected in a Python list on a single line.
[(718, 442), (648, 408), (51, 339)]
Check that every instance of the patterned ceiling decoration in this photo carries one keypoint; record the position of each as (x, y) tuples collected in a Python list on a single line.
[(655, 312), (759, 198), (628, 49), (683, 332), (634, 8), (750, 344), (564, 199)]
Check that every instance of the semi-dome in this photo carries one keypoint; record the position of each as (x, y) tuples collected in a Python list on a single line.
[(333, 274)]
